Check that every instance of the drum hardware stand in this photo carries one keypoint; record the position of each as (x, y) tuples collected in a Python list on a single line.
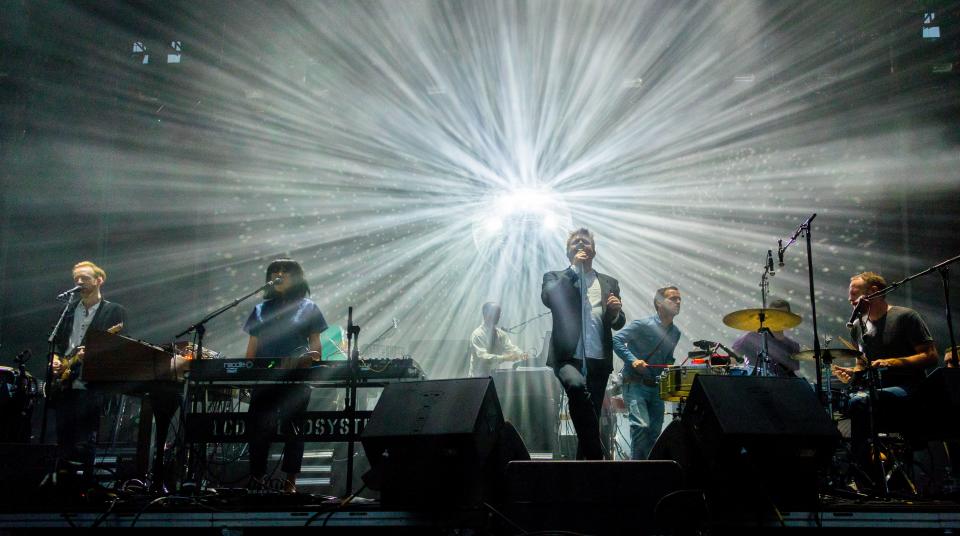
[(25, 397), (199, 330), (804, 229), (827, 359), (950, 485), (761, 367), (51, 345), (875, 446)]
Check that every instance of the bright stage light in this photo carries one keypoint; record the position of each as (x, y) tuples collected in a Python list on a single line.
[(521, 219), (424, 160)]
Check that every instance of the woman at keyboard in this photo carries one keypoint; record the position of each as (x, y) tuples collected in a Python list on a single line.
[(281, 326)]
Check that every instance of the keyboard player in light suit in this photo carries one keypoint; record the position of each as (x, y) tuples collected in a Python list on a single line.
[(284, 323)]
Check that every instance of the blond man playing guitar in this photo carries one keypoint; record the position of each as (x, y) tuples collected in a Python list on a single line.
[(78, 410)]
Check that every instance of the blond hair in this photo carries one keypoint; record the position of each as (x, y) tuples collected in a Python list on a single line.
[(97, 271)]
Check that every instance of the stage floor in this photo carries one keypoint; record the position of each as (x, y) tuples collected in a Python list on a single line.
[(253, 513)]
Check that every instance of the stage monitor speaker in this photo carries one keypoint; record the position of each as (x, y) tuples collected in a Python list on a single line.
[(437, 442), (760, 437), (936, 403)]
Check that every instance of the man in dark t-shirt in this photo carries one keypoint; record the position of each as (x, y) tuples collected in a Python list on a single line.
[(897, 344)]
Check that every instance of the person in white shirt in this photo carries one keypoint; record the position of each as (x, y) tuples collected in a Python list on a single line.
[(490, 346)]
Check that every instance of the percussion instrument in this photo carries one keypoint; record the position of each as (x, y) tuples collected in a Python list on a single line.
[(841, 357), (755, 319), (676, 381), (18, 395)]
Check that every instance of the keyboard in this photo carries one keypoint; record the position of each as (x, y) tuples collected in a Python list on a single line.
[(286, 370)]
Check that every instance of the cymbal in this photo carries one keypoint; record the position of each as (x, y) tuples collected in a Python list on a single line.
[(773, 319), (842, 357)]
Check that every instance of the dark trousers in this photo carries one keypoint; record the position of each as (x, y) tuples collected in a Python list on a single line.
[(585, 400), (285, 401), (891, 414), (78, 421)]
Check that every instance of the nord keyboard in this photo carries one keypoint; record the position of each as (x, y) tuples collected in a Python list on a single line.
[(283, 370)]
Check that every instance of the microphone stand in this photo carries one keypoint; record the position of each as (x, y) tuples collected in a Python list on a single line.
[(525, 322), (350, 407), (376, 339), (583, 321), (804, 229), (199, 330), (51, 351), (764, 356)]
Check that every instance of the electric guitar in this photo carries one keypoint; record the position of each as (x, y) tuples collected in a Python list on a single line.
[(70, 367)]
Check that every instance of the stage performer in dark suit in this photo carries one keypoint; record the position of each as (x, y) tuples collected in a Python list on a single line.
[(581, 347)]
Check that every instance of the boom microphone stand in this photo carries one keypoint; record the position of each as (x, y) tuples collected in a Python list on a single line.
[(350, 409), (199, 330), (804, 229), (51, 345), (525, 322)]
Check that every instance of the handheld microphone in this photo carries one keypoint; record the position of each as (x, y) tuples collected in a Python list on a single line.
[(68, 293), (770, 262), (780, 253)]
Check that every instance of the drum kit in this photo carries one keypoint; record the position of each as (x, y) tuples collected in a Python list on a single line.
[(19, 394), (676, 381)]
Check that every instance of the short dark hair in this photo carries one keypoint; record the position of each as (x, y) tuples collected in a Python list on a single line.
[(661, 294), (490, 306), (872, 279), (780, 303), (299, 290), (582, 231)]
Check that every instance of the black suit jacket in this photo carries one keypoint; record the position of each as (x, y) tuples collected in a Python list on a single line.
[(561, 294), (109, 314)]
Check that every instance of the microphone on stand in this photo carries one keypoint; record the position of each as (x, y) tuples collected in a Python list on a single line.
[(349, 323), (68, 293), (855, 313), (780, 253), (770, 262), (273, 283)]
